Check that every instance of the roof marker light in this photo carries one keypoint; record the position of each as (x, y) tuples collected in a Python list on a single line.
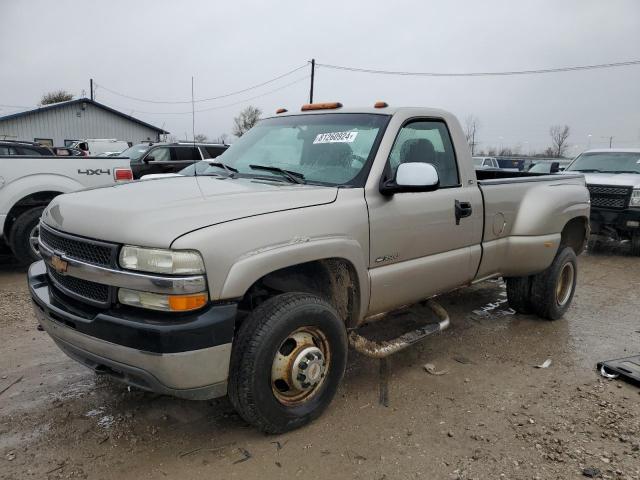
[(380, 105), (320, 106), (281, 110)]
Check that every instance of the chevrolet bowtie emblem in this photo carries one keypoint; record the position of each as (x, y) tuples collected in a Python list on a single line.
[(58, 264)]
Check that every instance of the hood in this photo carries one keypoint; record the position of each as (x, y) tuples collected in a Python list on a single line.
[(618, 179), (154, 213)]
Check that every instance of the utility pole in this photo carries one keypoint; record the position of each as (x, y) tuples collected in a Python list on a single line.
[(610, 141), (91, 88), (313, 73)]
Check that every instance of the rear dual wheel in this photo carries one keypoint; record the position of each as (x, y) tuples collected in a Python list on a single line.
[(288, 359), (549, 293)]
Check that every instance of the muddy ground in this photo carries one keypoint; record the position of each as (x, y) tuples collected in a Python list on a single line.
[(491, 415)]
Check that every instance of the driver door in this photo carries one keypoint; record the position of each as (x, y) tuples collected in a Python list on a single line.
[(419, 247)]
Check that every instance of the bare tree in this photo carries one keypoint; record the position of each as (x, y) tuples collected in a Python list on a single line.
[(245, 120), (505, 152), (200, 137), (472, 124), (223, 138), (559, 135), (492, 151), (55, 97)]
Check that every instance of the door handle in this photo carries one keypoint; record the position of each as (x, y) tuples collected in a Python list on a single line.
[(462, 209)]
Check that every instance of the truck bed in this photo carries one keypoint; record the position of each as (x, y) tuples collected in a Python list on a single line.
[(524, 214)]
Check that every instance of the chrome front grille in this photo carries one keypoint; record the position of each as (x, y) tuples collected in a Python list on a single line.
[(610, 196), (85, 250), (91, 251)]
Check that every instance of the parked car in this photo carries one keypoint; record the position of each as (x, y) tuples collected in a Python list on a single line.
[(67, 152), (13, 147), (613, 180), (546, 167), (485, 162), (28, 185), (253, 278), (154, 158), (96, 146)]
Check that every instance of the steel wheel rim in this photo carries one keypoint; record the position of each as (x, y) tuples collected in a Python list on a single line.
[(292, 352), (564, 285), (34, 236)]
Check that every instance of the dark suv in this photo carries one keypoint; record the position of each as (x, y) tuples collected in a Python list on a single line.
[(31, 149), (147, 158)]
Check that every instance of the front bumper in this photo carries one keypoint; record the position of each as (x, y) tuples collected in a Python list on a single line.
[(604, 221), (185, 356)]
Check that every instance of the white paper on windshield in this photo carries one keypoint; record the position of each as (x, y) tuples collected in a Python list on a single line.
[(336, 137)]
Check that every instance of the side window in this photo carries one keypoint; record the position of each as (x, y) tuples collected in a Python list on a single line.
[(31, 152), (161, 154), (8, 151), (212, 152), (426, 141), (187, 153)]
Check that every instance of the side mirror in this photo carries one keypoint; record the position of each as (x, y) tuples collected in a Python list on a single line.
[(555, 167), (149, 158), (412, 177)]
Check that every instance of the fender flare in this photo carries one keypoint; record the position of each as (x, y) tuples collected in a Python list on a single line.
[(249, 268)]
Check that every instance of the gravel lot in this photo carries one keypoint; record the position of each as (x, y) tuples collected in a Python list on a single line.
[(491, 415)]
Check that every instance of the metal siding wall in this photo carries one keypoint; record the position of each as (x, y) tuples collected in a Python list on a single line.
[(63, 123)]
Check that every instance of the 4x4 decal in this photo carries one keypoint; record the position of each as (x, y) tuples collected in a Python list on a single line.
[(97, 171)]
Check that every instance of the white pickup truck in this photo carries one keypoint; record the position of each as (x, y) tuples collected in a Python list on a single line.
[(28, 184)]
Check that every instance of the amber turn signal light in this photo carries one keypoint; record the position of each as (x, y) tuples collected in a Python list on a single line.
[(184, 303)]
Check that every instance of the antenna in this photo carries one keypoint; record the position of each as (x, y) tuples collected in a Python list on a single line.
[(193, 128)]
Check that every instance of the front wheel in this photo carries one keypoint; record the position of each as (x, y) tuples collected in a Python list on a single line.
[(23, 237), (288, 359), (552, 290)]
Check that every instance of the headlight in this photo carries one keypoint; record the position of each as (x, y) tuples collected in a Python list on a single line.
[(155, 260), (635, 198), (167, 303)]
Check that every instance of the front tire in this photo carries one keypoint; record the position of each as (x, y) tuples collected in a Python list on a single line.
[(288, 359), (552, 290), (23, 236)]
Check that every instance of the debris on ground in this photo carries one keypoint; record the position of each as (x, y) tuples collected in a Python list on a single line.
[(591, 472), (627, 368), (545, 364), (431, 368)]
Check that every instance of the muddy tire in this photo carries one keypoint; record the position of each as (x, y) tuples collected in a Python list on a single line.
[(287, 361), (519, 294), (635, 245), (22, 234), (552, 290)]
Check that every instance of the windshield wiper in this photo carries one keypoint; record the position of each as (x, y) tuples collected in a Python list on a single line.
[(621, 171), (294, 177), (586, 170), (230, 170)]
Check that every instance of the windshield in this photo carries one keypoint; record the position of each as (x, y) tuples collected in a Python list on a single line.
[(477, 161), (135, 152), (328, 149), (202, 167), (609, 162)]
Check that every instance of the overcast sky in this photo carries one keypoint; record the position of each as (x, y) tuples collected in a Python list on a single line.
[(150, 49)]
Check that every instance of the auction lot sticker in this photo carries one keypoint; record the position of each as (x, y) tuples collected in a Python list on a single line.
[(336, 137)]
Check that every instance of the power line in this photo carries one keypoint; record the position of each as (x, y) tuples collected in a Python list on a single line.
[(202, 99), (228, 104), (482, 74)]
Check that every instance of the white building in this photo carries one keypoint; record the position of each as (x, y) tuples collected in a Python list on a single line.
[(60, 123)]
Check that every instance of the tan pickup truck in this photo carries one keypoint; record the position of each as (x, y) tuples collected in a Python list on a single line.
[(252, 277)]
